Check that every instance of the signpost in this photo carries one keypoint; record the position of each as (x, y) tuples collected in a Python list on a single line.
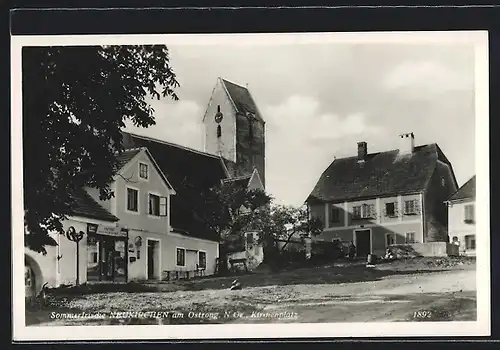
[(76, 237)]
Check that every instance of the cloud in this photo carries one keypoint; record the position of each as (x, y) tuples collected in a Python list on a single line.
[(425, 79), (178, 122), (302, 141), (302, 116)]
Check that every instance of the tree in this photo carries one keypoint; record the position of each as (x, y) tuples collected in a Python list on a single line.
[(280, 222), (230, 207), (75, 102)]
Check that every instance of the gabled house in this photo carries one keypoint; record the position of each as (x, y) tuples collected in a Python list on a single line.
[(461, 218), (145, 203), (384, 198)]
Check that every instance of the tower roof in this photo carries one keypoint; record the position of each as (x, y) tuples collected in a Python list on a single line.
[(242, 99)]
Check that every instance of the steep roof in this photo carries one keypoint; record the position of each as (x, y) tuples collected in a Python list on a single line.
[(242, 99), (190, 172), (382, 173), (467, 191), (240, 181), (86, 206), (126, 156)]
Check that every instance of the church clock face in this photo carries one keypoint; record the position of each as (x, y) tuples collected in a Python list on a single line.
[(218, 117)]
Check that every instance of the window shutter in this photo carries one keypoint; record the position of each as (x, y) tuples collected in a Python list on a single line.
[(396, 209), (417, 206), (384, 209), (163, 206), (373, 214)]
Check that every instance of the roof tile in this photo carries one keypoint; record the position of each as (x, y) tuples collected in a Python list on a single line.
[(467, 191), (242, 99), (383, 173), (86, 206)]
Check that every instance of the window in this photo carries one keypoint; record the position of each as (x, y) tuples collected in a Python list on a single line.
[(202, 260), (356, 212), (390, 239), (219, 131), (132, 200), (410, 237), (364, 211), (154, 205), (143, 171), (181, 257), (249, 238), (469, 214), (163, 206), (470, 242), (390, 209), (334, 214), (411, 207)]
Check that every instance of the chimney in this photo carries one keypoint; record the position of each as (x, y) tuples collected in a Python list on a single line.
[(406, 143), (362, 151)]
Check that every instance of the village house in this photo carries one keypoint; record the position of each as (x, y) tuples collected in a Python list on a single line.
[(379, 199), (461, 218), (154, 250)]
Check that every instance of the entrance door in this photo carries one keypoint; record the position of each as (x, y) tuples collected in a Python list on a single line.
[(151, 259), (362, 243), (107, 260)]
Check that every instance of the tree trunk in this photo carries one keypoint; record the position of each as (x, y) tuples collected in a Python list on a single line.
[(287, 241)]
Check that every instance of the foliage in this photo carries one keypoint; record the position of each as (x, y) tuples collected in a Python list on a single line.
[(231, 207), (280, 222), (75, 101)]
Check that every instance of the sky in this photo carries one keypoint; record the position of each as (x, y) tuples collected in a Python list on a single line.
[(320, 99)]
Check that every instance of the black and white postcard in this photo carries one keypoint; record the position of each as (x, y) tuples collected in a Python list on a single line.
[(250, 185)]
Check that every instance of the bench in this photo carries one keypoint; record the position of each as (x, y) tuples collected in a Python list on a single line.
[(169, 275)]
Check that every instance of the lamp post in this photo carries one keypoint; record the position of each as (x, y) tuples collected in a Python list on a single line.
[(76, 237)]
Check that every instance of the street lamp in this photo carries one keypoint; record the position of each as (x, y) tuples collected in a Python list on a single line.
[(76, 237)]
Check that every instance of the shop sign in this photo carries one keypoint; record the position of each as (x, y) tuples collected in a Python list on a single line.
[(107, 230)]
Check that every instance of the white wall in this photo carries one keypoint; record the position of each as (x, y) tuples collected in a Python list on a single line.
[(63, 271), (227, 141), (456, 225)]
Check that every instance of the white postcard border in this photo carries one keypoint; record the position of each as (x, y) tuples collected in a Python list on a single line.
[(298, 330)]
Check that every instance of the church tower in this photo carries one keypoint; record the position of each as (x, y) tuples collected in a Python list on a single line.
[(235, 130)]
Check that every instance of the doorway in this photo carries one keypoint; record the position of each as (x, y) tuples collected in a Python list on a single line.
[(362, 240), (107, 260), (153, 259)]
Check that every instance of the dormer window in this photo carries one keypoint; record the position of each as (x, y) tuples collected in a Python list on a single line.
[(143, 171), (219, 131)]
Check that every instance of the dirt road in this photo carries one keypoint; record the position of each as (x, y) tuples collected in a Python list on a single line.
[(432, 296), (444, 295)]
